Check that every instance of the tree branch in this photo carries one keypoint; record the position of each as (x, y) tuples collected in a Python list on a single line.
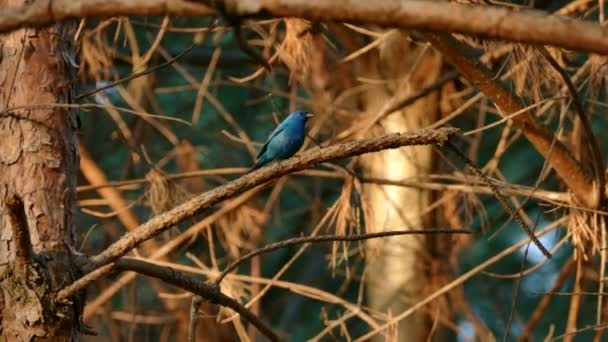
[(45, 12), (208, 291), (556, 153), (164, 221), (525, 26), (329, 238), (597, 160)]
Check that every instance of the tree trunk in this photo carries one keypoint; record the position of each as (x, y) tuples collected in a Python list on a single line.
[(401, 270), (38, 165), (397, 273)]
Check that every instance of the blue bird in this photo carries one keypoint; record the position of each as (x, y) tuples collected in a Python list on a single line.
[(285, 140)]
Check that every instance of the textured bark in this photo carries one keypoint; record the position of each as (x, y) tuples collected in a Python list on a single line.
[(494, 22), (38, 162)]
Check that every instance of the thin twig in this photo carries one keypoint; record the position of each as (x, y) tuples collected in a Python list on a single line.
[(209, 291), (135, 75), (329, 238), (575, 300), (447, 77), (194, 306), (539, 312), (499, 196), (247, 49), (456, 282)]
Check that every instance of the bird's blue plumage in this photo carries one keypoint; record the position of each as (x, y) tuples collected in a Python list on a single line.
[(285, 140)]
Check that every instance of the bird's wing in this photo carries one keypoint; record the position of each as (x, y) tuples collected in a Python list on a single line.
[(274, 133)]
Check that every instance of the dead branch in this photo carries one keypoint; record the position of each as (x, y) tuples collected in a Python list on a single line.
[(329, 238), (526, 26), (208, 291)]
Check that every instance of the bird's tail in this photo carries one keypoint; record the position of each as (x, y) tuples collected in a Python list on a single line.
[(258, 164), (254, 167)]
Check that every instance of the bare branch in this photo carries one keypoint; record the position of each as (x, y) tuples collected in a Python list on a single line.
[(329, 238), (45, 12), (526, 26), (208, 291)]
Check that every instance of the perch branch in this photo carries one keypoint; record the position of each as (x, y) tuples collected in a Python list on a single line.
[(306, 159), (162, 222)]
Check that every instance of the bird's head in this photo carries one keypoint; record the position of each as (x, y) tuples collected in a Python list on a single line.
[(302, 115)]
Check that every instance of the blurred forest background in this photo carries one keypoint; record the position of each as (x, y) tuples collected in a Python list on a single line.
[(152, 142)]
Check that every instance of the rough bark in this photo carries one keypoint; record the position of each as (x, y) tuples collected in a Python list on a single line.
[(38, 161)]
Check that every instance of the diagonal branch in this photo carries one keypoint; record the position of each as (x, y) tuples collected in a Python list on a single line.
[(594, 149), (208, 291), (164, 221), (309, 158), (514, 213), (556, 153)]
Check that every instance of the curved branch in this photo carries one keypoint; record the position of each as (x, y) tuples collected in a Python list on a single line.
[(210, 292), (329, 238)]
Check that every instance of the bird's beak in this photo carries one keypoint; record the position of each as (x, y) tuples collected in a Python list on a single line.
[(309, 115)]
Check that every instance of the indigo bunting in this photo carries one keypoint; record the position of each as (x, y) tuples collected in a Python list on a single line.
[(285, 140)]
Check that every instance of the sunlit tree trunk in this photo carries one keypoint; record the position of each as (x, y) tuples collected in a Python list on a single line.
[(38, 161), (401, 270), (397, 271)]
